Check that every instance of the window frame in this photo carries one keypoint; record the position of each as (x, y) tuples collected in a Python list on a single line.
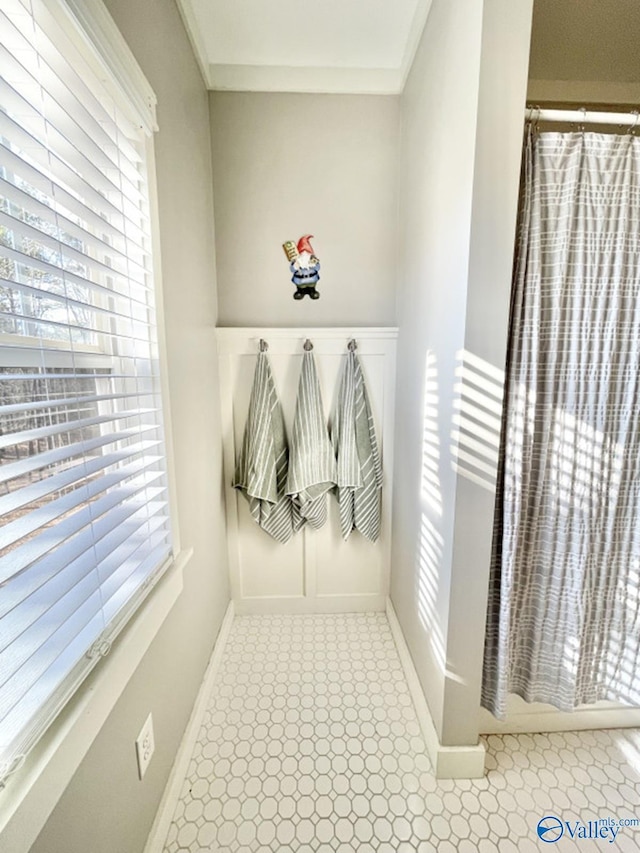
[(33, 789)]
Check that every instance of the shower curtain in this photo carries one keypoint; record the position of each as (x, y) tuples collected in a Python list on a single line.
[(564, 600)]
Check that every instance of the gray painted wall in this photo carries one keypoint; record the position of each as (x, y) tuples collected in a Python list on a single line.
[(593, 40), (462, 112), (105, 809), (439, 109), (503, 82), (285, 165)]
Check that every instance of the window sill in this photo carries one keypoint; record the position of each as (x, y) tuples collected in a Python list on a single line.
[(32, 792)]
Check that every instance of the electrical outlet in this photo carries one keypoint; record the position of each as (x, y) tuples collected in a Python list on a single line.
[(145, 745)]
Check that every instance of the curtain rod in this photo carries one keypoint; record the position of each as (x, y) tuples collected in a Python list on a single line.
[(583, 116)]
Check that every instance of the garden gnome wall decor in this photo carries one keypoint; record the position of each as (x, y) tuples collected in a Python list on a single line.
[(304, 265)]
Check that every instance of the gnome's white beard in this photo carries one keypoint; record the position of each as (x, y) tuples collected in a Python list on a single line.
[(303, 261)]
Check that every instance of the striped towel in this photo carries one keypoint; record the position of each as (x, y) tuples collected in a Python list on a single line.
[(312, 468), (261, 470), (359, 472)]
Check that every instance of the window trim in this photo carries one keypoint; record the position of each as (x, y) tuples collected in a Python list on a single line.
[(92, 29), (33, 790)]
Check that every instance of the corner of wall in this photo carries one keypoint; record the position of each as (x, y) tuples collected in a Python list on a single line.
[(462, 124), (448, 762), (439, 115)]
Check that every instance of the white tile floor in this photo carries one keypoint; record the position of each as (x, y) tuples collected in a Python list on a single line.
[(310, 743)]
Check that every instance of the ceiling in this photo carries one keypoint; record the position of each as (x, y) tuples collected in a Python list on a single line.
[(305, 45), (594, 40), (353, 46)]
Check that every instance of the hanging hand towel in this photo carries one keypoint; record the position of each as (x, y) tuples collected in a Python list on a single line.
[(262, 467), (359, 472), (312, 463)]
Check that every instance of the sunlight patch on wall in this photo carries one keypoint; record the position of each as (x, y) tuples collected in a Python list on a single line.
[(429, 569), (430, 480), (475, 436)]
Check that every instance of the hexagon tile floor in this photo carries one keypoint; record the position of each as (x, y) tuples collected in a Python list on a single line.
[(310, 743)]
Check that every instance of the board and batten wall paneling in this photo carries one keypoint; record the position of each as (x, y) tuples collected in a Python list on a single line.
[(316, 571)]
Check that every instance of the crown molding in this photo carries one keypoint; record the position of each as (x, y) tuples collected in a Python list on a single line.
[(420, 16), (304, 79), (282, 78), (196, 38)]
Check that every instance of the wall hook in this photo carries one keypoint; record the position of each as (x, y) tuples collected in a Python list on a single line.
[(352, 346), (264, 346), (308, 346)]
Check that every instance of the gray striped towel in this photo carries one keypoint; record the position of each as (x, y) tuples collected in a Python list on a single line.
[(359, 472), (312, 466), (261, 470)]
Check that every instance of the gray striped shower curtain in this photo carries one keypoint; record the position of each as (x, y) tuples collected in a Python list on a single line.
[(564, 600)]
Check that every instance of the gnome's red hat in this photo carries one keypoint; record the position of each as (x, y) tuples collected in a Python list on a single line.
[(304, 245)]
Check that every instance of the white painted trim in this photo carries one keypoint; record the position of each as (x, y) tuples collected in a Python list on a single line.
[(32, 792), (388, 415), (241, 341), (283, 78), (190, 21), (449, 762), (228, 453), (583, 92), (544, 718), (310, 559), (98, 29), (295, 606), (164, 815), (229, 337), (420, 16)]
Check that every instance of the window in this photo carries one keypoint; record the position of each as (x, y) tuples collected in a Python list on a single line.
[(84, 506)]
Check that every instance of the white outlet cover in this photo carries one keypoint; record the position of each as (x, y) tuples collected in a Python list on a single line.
[(145, 746)]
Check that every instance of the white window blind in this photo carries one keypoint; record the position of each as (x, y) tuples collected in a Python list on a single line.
[(84, 508)]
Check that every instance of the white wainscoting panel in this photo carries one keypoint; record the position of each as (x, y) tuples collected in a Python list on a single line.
[(316, 571)]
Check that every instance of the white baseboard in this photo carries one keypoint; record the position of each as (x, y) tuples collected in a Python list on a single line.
[(297, 605), (449, 762), (160, 829), (523, 717)]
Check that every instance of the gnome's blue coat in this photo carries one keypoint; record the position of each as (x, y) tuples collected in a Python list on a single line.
[(308, 276)]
